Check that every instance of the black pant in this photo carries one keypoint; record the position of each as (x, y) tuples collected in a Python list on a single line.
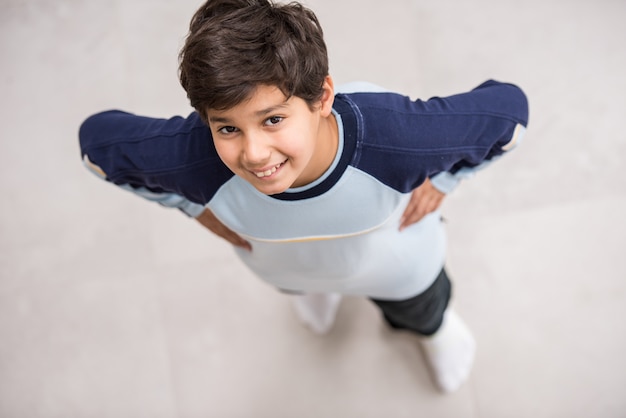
[(423, 313)]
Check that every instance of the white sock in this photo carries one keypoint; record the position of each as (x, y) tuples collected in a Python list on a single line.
[(450, 352), (317, 310)]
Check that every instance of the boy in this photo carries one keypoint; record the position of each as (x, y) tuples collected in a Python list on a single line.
[(321, 194)]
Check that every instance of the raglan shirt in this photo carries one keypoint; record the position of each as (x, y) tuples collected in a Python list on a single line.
[(339, 233)]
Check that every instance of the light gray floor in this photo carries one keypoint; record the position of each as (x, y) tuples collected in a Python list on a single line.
[(113, 307)]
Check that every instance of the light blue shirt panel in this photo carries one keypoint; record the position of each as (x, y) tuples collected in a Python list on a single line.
[(357, 203), (342, 241), (384, 263)]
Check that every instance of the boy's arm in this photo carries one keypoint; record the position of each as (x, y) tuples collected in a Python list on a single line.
[(170, 200), (506, 105), (502, 101), (203, 215), (446, 181), (158, 160), (168, 161)]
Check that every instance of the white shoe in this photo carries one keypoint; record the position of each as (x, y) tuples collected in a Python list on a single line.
[(317, 310), (450, 352)]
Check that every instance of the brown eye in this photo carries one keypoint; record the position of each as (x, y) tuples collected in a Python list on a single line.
[(227, 130), (274, 120)]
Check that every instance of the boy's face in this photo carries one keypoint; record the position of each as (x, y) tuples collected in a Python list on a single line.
[(276, 143)]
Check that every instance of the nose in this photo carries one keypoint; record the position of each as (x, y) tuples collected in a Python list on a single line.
[(256, 149)]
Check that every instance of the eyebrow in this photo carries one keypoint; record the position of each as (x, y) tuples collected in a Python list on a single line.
[(271, 109), (218, 120), (260, 113)]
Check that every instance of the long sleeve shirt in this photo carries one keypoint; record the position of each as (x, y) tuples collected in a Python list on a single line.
[(339, 233)]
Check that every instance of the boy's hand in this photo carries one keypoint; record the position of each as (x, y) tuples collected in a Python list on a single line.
[(208, 219), (424, 200)]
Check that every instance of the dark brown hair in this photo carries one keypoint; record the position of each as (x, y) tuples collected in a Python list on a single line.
[(234, 46)]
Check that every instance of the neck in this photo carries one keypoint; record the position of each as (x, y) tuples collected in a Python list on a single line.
[(328, 142)]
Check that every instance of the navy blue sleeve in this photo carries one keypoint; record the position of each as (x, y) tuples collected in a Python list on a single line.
[(406, 141), (159, 158)]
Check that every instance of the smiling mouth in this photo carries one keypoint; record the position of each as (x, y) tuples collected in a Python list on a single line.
[(269, 171)]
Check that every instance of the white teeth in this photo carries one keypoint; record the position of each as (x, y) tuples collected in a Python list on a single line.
[(267, 172)]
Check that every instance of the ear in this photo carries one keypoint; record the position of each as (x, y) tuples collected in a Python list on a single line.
[(328, 96)]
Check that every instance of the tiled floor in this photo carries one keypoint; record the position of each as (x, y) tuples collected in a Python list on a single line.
[(113, 307)]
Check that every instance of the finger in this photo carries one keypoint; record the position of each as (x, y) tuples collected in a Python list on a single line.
[(408, 212), (240, 242), (412, 205), (225, 233), (413, 216), (421, 204), (234, 238)]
